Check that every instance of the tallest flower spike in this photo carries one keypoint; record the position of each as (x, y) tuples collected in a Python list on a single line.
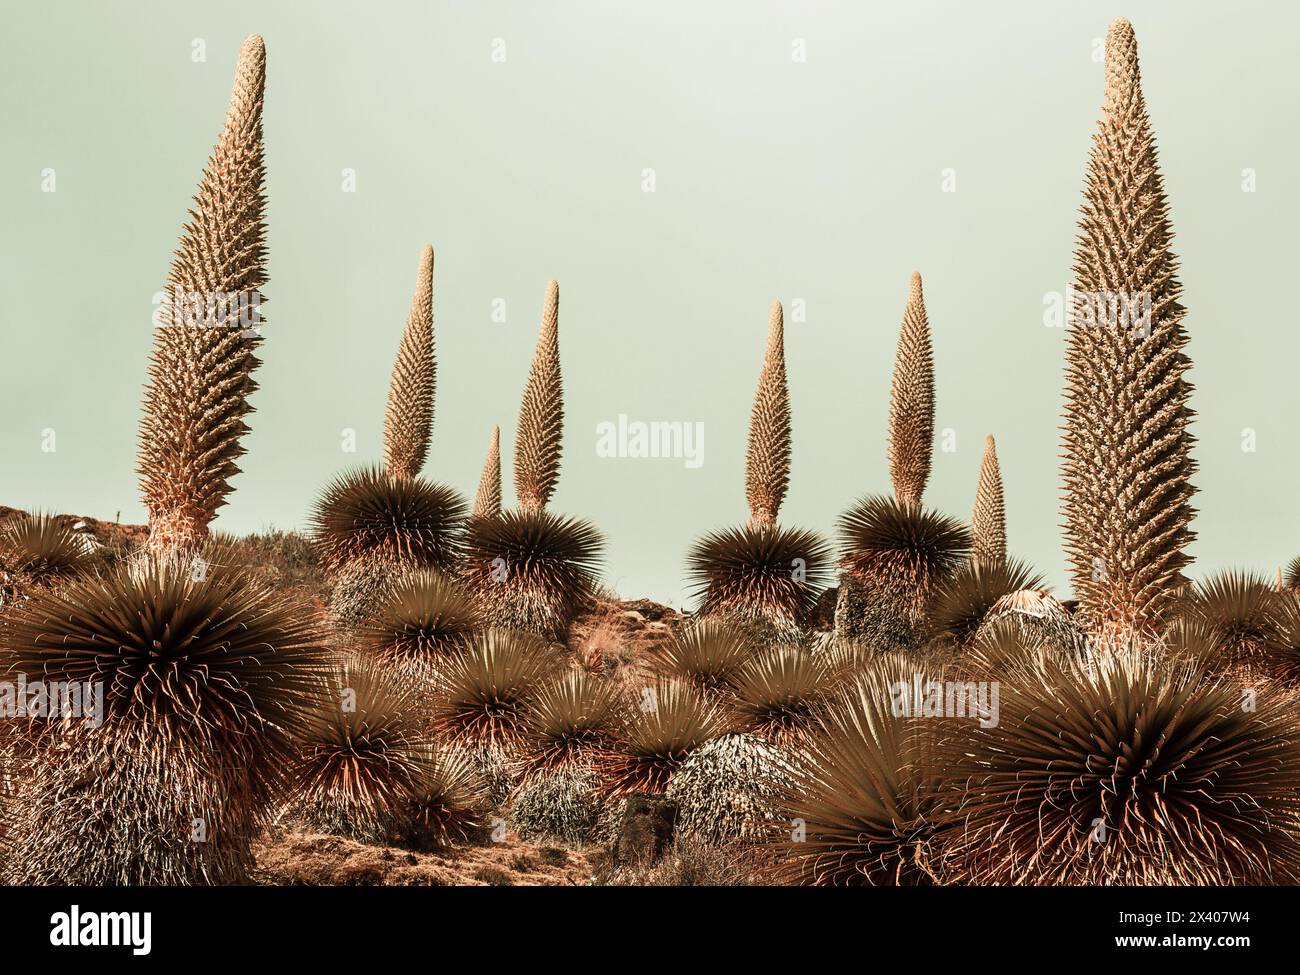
[(200, 369), (767, 467), (1127, 450)]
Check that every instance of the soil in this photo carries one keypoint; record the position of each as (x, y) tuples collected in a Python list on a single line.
[(295, 859)]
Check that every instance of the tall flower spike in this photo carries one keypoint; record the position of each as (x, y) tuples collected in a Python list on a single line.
[(989, 521), (767, 464), (487, 502), (541, 414), (200, 369), (911, 402), (409, 421), (1127, 462)]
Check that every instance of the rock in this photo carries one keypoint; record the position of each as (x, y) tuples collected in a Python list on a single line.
[(647, 829), (656, 612), (103, 532)]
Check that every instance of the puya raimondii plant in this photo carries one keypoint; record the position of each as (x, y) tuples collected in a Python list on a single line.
[(1127, 463), (204, 348), (894, 552), (762, 572), (374, 523), (531, 569)]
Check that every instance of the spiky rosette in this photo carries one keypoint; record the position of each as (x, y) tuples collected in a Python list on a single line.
[(205, 681), (540, 429), (1129, 770), (202, 654), (425, 618), (532, 570), (767, 461), (894, 555), (775, 695), (1190, 642), (483, 689), (768, 573), (911, 401), (362, 755), (705, 654), (200, 371), (963, 601), (495, 764), (487, 500), (366, 515), (1283, 657), (1007, 645), (989, 519), (898, 545), (568, 723), (40, 548), (408, 424), (668, 722), (1242, 613), (450, 803), (728, 790), (864, 799), (1127, 462), (1293, 574)]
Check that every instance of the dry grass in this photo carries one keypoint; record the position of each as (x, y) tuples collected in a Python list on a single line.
[(690, 863)]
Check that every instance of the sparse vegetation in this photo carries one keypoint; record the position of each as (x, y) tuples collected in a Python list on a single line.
[(207, 682), (369, 516), (1126, 770), (362, 755), (762, 573), (668, 722), (866, 792), (425, 618), (532, 570)]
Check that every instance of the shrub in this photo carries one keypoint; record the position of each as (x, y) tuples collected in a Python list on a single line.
[(206, 681)]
